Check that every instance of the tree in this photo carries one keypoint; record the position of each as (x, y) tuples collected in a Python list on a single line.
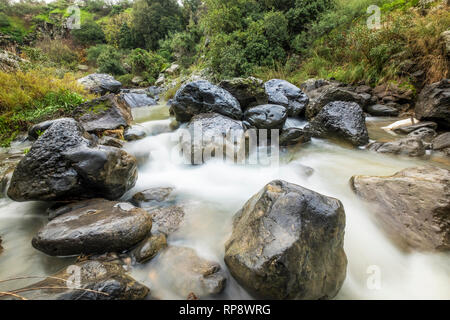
[(153, 20), (89, 33)]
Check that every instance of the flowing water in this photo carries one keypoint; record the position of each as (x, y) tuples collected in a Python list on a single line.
[(215, 191)]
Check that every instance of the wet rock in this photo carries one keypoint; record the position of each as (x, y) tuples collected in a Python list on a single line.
[(339, 119), (414, 127), (393, 95), (134, 133), (137, 100), (8, 163), (166, 220), (380, 110), (311, 85), (332, 94), (66, 164), (152, 197), (149, 248), (100, 83), (268, 116), (293, 133), (190, 273), (287, 243), (286, 94), (102, 114), (412, 205), (38, 129), (408, 146), (93, 226), (442, 142), (212, 135), (99, 281), (202, 97), (111, 142), (249, 92), (433, 103), (424, 134)]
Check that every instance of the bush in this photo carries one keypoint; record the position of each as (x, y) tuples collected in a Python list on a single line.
[(4, 21), (109, 61), (92, 53), (59, 52), (147, 64), (89, 33)]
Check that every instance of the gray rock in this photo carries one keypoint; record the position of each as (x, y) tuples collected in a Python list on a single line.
[(332, 94), (268, 116), (149, 248), (442, 141), (38, 129), (188, 273), (414, 127), (137, 100), (412, 205), (152, 197), (66, 164), (100, 83), (287, 243), (93, 226), (339, 119), (380, 110), (202, 97), (433, 103), (166, 220), (102, 114), (134, 133), (409, 146), (99, 281), (250, 91), (424, 134), (286, 94), (111, 142)]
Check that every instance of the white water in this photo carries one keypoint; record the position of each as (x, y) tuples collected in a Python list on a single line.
[(215, 191)]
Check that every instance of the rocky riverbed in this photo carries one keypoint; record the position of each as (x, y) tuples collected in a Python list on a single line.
[(105, 194)]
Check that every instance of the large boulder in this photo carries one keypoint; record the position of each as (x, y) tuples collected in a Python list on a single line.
[(433, 103), (137, 100), (268, 116), (332, 94), (188, 273), (65, 163), (103, 114), (381, 110), (442, 143), (202, 97), (250, 91), (286, 94), (287, 243), (98, 281), (166, 220), (93, 226), (209, 134), (340, 119), (100, 83), (293, 133), (409, 146), (413, 205)]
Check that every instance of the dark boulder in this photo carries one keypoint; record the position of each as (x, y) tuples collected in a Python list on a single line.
[(442, 142), (380, 110), (413, 205), (414, 127), (104, 113), (286, 94), (137, 100), (66, 164), (202, 97), (93, 226), (98, 281), (293, 133), (249, 92), (149, 248), (433, 103), (268, 116), (339, 119), (287, 243), (100, 83)]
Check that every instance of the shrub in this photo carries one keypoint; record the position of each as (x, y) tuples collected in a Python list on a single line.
[(94, 52), (109, 61), (4, 21), (59, 52), (148, 64), (89, 33)]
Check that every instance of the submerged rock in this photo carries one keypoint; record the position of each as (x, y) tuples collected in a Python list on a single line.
[(413, 205), (249, 92), (102, 114), (93, 226), (100, 83), (188, 273), (166, 220), (286, 94), (66, 164), (433, 103), (149, 248), (343, 120), (409, 146), (202, 97), (98, 281), (152, 197), (268, 116), (287, 243)]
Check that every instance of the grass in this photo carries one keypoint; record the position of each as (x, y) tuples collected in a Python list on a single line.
[(29, 97)]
